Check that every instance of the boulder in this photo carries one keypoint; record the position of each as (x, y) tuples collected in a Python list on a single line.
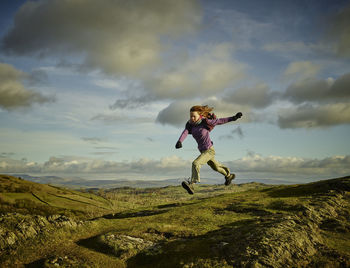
[(124, 246)]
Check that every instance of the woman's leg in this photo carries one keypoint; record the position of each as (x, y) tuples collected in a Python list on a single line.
[(217, 166), (203, 158)]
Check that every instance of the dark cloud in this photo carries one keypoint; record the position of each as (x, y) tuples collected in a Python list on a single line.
[(239, 132), (13, 92), (339, 31), (36, 77), (104, 153), (235, 132), (314, 116), (307, 90), (259, 96), (130, 103), (114, 118), (108, 118), (340, 88), (176, 114), (93, 140), (6, 155), (319, 90), (318, 103), (106, 148), (116, 36), (130, 38)]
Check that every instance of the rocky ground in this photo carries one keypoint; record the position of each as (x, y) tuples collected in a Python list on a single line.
[(16, 228)]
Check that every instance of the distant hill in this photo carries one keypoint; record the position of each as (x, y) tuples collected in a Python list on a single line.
[(78, 183), (245, 225)]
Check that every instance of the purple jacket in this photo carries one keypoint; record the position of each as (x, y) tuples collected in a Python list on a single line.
[(201, 134)]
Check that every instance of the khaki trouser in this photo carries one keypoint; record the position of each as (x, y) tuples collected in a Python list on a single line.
[(208, 157)]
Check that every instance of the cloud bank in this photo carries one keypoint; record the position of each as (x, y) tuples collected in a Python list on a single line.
[(173, 166)]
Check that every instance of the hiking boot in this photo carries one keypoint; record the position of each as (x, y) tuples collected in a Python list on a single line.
[(188, 186), (229, 178)]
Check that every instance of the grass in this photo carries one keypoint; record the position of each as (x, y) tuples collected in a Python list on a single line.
[(17, 195), (192, 230)]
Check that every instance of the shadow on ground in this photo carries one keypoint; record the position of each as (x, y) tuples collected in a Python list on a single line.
[(124, 215), (36, 264)]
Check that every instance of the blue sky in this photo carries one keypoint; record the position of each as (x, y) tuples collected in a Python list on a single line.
[(102, 89)]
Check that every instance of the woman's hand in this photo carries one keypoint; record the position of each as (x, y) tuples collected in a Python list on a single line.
[(237, 116), (178, 145)]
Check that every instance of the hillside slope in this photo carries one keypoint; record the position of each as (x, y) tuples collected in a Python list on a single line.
[(18, 195), (237, 226)]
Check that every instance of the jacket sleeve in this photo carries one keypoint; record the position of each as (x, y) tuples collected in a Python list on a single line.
[(220, 121), (183, 135)]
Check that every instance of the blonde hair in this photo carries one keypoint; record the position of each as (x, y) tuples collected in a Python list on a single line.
[(202, 110)]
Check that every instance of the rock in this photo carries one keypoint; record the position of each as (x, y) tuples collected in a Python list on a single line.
[(277, 242), (59, 261), (124, 246), (41, 221), (61, 221), (15, 227), (27, 229), (10, 238), (53, 218)]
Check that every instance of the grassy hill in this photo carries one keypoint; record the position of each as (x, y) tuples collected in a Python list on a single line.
[(250, 225), (18, 195)]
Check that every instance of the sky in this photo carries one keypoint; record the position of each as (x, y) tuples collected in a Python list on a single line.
[(102, 89)]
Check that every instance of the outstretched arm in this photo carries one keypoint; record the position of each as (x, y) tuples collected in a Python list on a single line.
[(224, 120), (181, 139)]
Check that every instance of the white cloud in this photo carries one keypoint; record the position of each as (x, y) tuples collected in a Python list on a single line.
[(209, 71), (301, 70), (329, 166), (120, 84), (74, 165)]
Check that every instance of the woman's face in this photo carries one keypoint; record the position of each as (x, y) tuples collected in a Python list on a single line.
[(194, 117)]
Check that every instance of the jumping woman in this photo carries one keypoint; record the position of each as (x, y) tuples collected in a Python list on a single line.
[(201, 122)]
